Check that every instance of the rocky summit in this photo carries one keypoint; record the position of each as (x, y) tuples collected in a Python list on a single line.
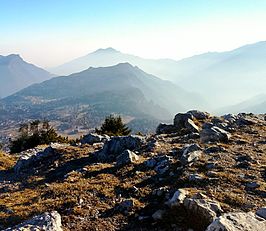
[(200, 173)]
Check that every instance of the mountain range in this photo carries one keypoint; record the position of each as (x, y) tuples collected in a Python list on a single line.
[(222, 78), (92, 94), (120, 83), (16, 74), (255, 104)]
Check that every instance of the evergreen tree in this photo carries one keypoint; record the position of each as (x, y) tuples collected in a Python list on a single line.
[(33, 135), (113, 126)]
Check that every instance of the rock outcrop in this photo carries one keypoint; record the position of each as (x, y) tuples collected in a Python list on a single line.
[(238, 222), (93, 138), (31, 157), (126, 157), (214, 134), (116, 145), (50, 221)]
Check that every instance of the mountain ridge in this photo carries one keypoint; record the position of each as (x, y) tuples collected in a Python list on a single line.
[(16, 74)]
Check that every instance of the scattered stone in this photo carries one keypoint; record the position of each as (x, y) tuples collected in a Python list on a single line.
[(126, 206), (193, 135), (199, 115), (262, 212), (116, 145), (252, 185), (178, 198), (120, 143), (210, 165), (238, 222), (203, 208), (231, 118), (243, 164), (181, 118), (191, 154), (150, 163), (159, 192), (184, 121), (214, 134), (93, 138), (166, 129), (49, 221), (32, 157), (163, 164), (195, 178), (245, 121), (158, 215), (191, 126), (214, 149), (127, 157)]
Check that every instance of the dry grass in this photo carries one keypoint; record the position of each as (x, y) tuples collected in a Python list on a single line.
[(6, 161)]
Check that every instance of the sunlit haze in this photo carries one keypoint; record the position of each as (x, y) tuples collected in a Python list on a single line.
[(49, 33)]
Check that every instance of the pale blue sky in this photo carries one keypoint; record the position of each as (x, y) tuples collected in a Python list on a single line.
[(50, 32)]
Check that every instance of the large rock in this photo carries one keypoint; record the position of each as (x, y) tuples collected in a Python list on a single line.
[(238, 222), (199, 115), (178, 198), (181, 118), (50, 221), (214, 134), (127, 157), (166, 129), (184, 121), (205, 209), (32, 157), (116, 145), (191, 126), (94, 138), (190, 154)]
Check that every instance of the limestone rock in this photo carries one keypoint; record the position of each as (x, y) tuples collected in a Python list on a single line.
[(191, 154), (191, 126), (119, 144), (199, 115), (205, 209), (49, 221), (181, 118), (178, 198), (32, 157), (94, 138), (214, 134), (166, 129), (238, 222), (126, 157)]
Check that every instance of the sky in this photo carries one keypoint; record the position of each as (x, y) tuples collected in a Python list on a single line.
[(51, 32)]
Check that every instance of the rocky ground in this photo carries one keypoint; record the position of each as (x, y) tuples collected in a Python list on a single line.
[(200, 173)]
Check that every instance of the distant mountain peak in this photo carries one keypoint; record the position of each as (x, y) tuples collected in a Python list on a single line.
[(11, 59), (125, 65), (106, 50)]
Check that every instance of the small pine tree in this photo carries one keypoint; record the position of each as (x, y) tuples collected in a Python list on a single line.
[(113, 126)]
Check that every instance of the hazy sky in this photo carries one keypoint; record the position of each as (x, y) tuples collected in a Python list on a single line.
[(50, 32)]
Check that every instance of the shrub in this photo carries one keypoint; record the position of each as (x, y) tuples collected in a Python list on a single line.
[(32, 135), (113, 126)]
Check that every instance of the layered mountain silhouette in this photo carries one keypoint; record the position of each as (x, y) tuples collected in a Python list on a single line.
[(110, 57), (226, 78), (97, 92), (223, 78), (256, 105), (16, 74)]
